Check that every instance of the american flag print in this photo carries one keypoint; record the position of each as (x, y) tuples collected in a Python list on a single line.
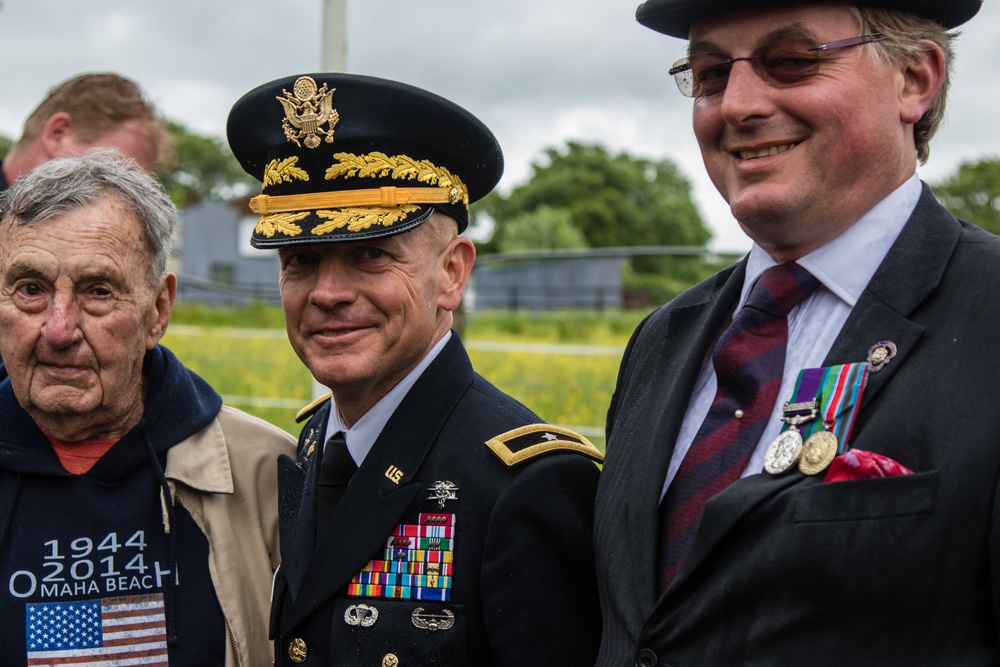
[(108, 632)]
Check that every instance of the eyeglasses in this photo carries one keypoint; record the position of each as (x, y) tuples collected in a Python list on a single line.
[(781, 63)]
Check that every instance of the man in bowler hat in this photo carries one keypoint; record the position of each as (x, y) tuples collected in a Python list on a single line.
[(429, 518), (803, 455)]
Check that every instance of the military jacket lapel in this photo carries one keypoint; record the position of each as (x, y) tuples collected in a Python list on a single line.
[(386, 484), (296, 507)]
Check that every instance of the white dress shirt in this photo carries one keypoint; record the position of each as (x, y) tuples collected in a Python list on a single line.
[(361, 437), (844, 266)]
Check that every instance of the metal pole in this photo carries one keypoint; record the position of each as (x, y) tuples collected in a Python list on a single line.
[(334, 36)]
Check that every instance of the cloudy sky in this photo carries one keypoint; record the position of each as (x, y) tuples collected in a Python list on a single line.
[(538, 72)]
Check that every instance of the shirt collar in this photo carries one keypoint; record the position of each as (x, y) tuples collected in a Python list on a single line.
[(361, 437), (846, 264)]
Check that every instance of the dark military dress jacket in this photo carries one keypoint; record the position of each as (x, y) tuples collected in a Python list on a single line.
[(464, 538)]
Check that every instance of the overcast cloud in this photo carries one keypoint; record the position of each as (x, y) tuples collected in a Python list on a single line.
[(538, 72)]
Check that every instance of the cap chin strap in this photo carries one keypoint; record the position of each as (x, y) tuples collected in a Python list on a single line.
[(384, 196)]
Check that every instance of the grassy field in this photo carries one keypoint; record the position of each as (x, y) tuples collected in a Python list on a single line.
[(562, 365)]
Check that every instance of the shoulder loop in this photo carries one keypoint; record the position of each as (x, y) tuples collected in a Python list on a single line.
[(530, 441), (312, 407)]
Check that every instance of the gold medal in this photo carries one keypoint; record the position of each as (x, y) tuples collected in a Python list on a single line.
[(817, 452)]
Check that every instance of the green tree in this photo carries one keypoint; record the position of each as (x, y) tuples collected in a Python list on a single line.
[(544, 228), (5, 144), (204, 169), (613, 200), (973, 193)]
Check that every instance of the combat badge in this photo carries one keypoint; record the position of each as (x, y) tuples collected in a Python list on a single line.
[(307, 111), (443, 492), (426, 620)]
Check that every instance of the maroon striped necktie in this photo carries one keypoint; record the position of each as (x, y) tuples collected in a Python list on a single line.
[(749, 360)]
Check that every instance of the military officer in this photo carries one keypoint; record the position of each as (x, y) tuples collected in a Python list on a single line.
[(430, 519)]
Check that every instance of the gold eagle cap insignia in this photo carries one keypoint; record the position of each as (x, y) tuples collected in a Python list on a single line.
[(307, 110)]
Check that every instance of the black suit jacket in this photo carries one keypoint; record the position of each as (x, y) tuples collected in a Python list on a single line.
[(524, 590), (790, 570)]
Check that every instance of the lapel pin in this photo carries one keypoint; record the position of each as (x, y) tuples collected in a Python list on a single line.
[(442, 492), (880, 354)]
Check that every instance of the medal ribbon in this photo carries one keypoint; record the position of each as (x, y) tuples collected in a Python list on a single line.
[(807, 388), (839, 395)]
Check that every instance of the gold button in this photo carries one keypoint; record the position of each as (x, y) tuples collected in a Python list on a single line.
[(297, 650), (739, 414), (390, 660)]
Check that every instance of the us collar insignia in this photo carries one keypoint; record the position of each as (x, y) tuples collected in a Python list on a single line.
[(442, 492), (880, 354), (306, 111)]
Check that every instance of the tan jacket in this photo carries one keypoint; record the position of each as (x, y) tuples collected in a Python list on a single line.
[(226, 477)]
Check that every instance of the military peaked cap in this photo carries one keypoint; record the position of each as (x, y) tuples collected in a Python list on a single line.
[(344, 157), (674, 17)]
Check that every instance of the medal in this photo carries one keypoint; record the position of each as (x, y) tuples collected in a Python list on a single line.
[(784, 451), (818, 452), (839, 395)]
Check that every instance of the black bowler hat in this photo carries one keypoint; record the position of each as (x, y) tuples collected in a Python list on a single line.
[(344, 157), (674, 17)]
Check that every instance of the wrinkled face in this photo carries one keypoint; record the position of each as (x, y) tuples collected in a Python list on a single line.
[(362, 315), (799, 164), (77, 315)]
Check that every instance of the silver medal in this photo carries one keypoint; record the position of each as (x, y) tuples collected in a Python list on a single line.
[(783, 452)]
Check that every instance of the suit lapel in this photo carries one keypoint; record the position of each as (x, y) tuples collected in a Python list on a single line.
[(374, 504), (911, 271), (669, 369)]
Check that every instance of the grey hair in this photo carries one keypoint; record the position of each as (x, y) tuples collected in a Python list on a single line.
[(60, 186), (906, 36)]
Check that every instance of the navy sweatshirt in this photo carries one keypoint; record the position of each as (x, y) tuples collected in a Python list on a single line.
[(88, 571)]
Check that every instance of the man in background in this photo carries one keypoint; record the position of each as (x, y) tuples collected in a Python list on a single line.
[(803, 456), (89, 111)]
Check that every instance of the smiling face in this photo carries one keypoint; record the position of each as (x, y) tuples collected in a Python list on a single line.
[(362, 315), (799, 164), (77, 315)]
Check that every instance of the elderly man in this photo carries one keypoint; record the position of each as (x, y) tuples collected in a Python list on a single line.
[(103, 110), (138, 514), (803, 455), (431, 520)]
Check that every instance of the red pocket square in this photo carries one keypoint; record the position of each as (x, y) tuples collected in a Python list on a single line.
[(859, 464)]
